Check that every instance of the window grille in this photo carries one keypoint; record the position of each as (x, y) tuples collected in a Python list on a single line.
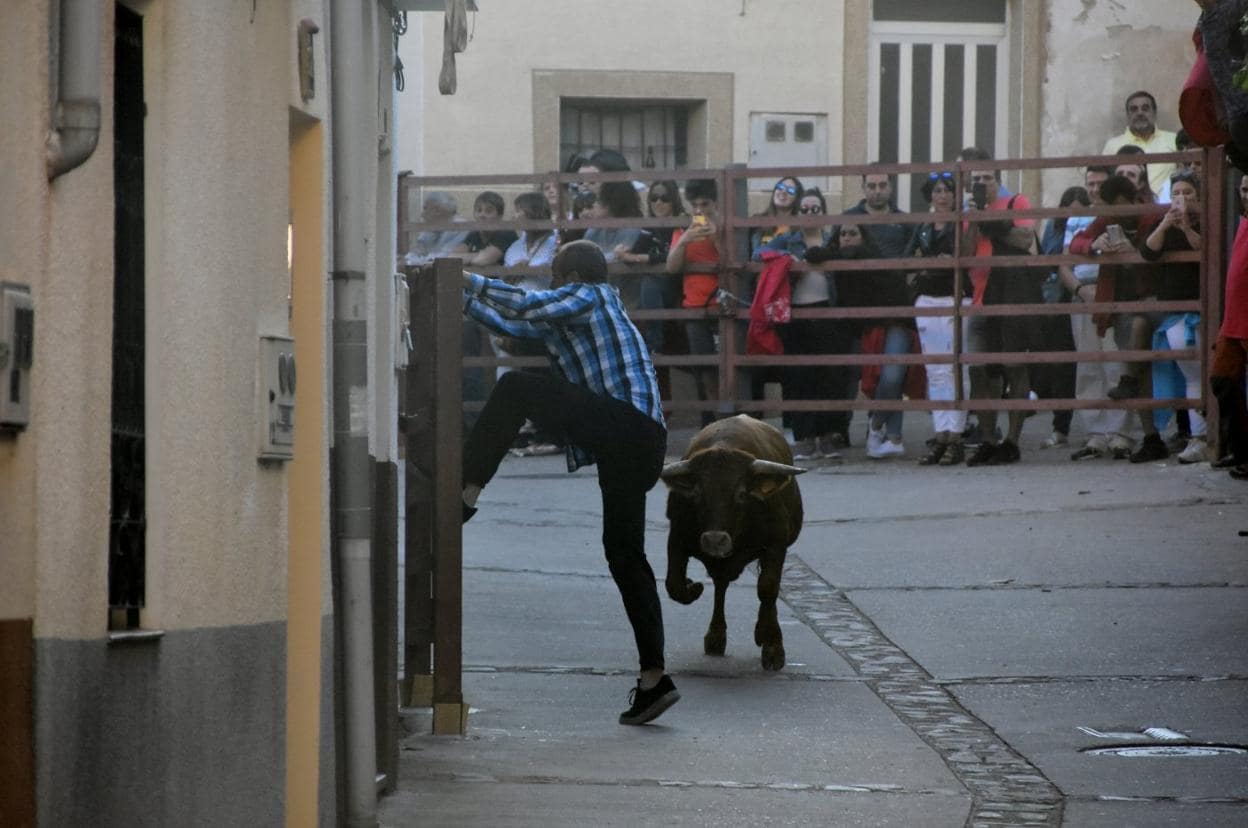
[(648, 135)]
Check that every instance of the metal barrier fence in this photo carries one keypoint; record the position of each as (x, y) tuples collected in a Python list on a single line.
[(735, 272)]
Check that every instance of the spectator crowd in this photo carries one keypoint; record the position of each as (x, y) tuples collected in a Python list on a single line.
[(678, 267)]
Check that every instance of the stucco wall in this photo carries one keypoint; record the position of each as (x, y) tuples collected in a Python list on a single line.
[(24, 238), (218, 143), (1097, 53), (782, 56)]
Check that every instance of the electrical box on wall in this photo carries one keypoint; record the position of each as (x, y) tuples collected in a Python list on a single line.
[(17, 343), (277, 398)]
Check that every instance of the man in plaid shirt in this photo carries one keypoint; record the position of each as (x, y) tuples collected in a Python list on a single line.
[(603, 397)]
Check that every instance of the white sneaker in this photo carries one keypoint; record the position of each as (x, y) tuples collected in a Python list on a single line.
[(875, 439), (1056, 440), (1197, 451), (886, 449), (805, 449)]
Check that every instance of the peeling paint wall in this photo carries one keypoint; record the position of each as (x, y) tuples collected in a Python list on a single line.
[(1098, 52)]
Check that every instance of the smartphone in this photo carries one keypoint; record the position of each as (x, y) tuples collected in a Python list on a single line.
[(1114, 233), (979, 195), (699, 219)]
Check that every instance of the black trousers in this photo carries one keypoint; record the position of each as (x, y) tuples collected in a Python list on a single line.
[(629, 447), (816, 382)]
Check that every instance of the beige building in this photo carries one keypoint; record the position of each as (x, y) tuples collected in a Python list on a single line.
[(168, 635), (705, 83)]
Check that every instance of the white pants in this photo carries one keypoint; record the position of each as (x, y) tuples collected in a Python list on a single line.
[(1176, 335), (1094, 379), (936, 337)]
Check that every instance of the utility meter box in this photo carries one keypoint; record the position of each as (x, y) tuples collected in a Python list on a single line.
[(277, 398), (17, 345)]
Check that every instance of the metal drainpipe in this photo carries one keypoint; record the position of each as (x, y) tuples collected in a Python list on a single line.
[(354, 146), (76, 29)]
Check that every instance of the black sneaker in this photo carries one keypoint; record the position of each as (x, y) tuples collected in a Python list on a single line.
[(1007, 452), (469, 511), (1151, 448), (647, 705), (983, 455)]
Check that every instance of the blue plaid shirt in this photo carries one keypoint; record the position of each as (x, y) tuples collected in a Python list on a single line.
[(588, 336)]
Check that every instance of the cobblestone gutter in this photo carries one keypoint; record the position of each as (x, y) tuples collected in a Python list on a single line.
[(1006, 788)]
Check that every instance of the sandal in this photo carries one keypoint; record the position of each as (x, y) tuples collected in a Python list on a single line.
[(934, 456), (955, 455)]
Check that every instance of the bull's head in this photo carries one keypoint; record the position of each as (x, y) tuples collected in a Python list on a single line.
[(719, 484)]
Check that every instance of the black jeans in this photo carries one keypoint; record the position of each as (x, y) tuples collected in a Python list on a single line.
[(629, 447), (816, 382)]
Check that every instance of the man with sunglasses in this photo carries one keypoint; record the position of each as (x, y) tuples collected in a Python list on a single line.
[(1142, 132)]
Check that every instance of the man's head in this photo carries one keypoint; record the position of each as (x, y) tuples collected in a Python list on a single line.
[(1141, 113), (991, 179), (1243, 194), (1093, 179), (438, 206), (578, 261), (533, 206), (1183, 143), (877, 190), (1133, 166), (702, 195)]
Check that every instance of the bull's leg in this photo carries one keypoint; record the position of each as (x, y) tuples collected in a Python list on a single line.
[(767, 630), (716, 639), (681, 589)]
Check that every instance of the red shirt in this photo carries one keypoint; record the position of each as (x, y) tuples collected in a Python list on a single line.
[(1235, 310), (698, 287)]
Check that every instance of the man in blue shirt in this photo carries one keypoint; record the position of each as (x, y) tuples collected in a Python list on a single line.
[(603, 396)]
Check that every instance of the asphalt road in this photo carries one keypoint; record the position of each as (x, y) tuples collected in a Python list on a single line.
[(958, 639)]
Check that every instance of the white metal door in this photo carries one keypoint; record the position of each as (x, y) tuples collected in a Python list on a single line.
[(787, 140), (936, 88)]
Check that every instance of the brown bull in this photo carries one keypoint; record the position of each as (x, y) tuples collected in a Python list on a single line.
[(733, 500)]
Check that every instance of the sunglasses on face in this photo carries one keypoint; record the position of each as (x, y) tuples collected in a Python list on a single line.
[(810, 208), (660, 197), (788, 188), (938, 176)]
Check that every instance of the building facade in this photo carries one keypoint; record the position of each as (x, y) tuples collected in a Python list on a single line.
[(167, 624), (701, 83)]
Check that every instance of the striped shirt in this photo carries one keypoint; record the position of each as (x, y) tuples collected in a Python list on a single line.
[(588, 336)]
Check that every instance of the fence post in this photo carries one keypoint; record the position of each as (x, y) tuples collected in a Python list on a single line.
[(433, 417)]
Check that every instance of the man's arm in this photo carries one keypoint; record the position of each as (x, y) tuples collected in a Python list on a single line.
[(511, 302)]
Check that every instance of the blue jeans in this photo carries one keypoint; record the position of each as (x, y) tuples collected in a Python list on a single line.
[(897, 340)]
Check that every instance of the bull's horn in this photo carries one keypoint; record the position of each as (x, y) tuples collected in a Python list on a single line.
[(677, 469), (768, 467)]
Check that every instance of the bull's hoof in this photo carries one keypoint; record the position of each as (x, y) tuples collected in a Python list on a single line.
[(686, 593), (715, 642), (773, 656)]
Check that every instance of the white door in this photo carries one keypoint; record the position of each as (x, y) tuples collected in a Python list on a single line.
[(934, 89)]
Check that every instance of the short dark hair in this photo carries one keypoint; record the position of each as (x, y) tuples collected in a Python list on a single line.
[(582, 259), (1183, 141), (977, 154), (620, 198), (1099, 168), (533, 206), (702, 188), (609, 160), (491, 198), (1119, 186), (876, 172), (1140, 94)]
